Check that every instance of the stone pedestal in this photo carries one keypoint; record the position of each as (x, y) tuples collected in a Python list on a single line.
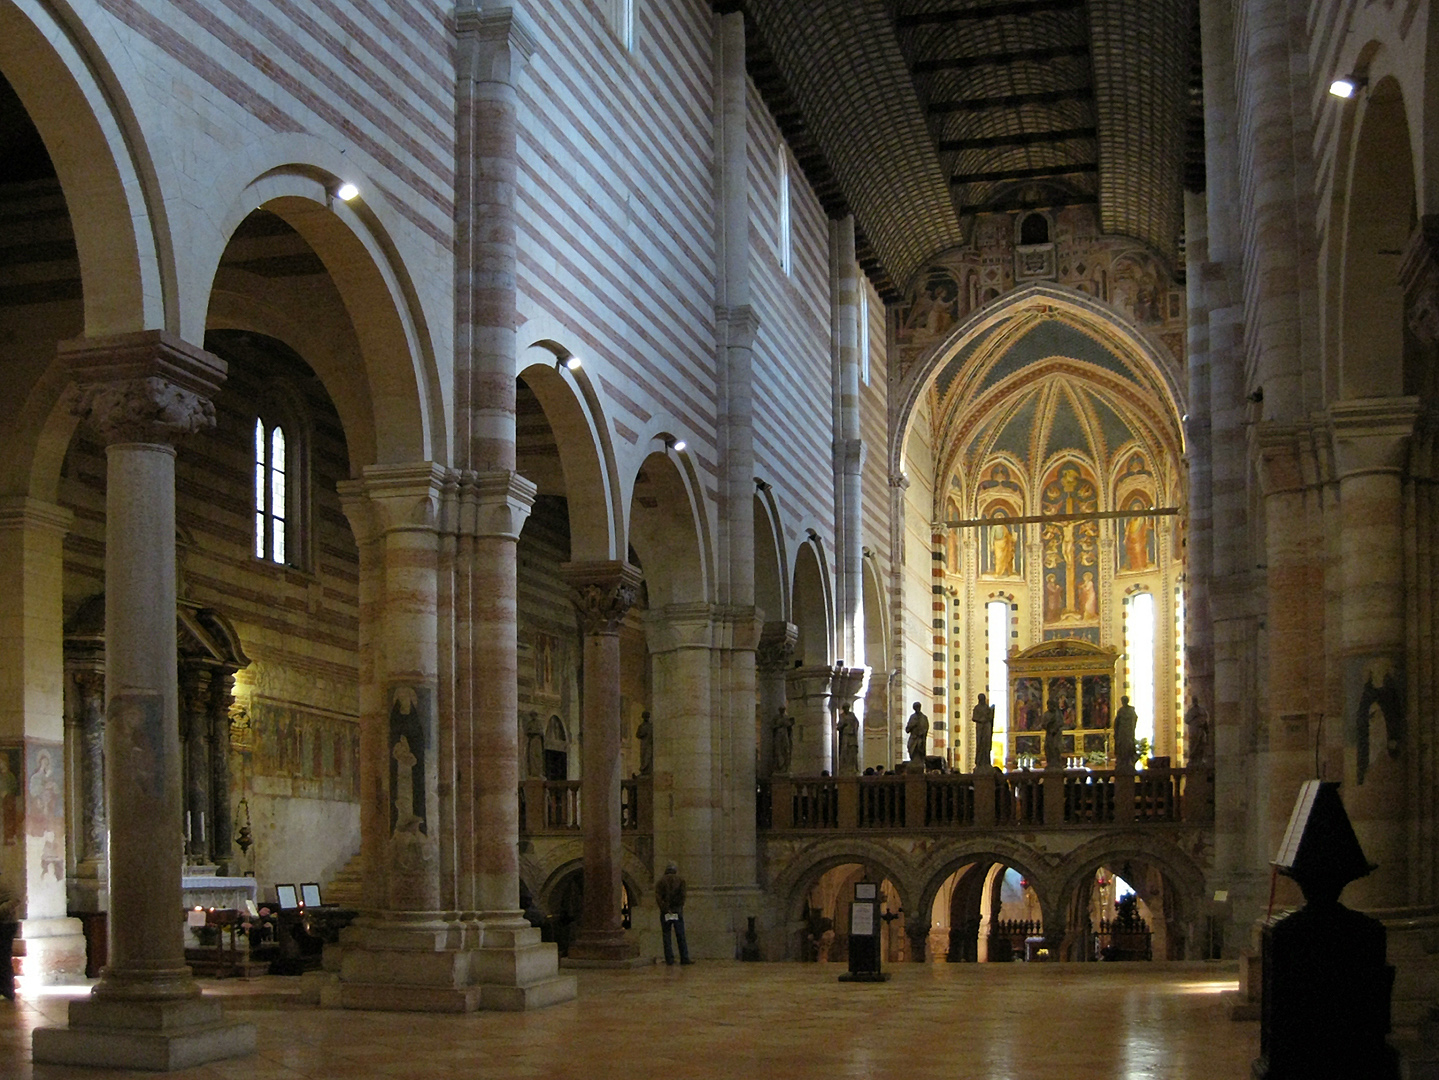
[(141, 392)]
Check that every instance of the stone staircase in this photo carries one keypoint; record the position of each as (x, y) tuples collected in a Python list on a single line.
[(346, 888)]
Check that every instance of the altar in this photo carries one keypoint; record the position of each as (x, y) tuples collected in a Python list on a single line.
[(1078, 678), (209, 890)]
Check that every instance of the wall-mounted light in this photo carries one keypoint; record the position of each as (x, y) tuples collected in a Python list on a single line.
[(1346, 86), (568, 361), (677, 445)]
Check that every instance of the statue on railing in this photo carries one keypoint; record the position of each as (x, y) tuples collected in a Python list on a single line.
[(645, 734), (1125, 721), (1196, 722), (534, 747), (917, 728), (783, 731), (848, 729), (983, 717)]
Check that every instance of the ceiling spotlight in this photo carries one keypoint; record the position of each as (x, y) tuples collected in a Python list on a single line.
[(346, 191), (1346, 86)]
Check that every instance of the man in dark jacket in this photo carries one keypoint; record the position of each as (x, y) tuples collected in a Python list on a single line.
[(670, 895)]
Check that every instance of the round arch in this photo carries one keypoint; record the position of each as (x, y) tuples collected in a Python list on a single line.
[(937, 869), (400, 412), (1041, 296), (668, 530), (771, 582), (792, 885), (89, 130), (586, 454), (812, 604)]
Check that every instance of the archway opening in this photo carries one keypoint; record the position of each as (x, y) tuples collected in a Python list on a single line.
[(1125, 911), (987, 911), (824, 937)]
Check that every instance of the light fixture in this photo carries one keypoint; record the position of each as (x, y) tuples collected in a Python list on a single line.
[(346, 192), (675, 444), (1346, 86), (574, 363)]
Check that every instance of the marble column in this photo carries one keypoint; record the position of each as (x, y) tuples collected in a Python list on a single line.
[(1371, 445), (773, 659), (195, 738), (141, 392), (219, 826), (603, 593), (808, 691)]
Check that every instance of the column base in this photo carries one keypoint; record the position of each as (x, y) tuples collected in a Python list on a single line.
[(49, 951), (491, 962), (604, 949), (156, 1035)]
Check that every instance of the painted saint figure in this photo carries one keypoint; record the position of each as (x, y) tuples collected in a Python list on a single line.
[(1001, 545), (1088, 597), (1136, 541)]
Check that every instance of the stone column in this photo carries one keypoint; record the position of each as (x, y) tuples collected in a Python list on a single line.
[(195, 738), (1371, 447), (772, 660), (141, 392), (808, 690), (603, 593), (219, 827)]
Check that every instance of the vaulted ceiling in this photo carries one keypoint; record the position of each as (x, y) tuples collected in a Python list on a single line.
[(917, 115)]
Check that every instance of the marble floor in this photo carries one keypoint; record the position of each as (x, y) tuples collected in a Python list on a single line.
[(723, 1020)]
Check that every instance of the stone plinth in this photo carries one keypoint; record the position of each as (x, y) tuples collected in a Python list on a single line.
[(157, 1035)]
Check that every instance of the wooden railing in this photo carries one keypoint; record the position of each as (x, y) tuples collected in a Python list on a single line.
[(1021, 799), (553, 806)]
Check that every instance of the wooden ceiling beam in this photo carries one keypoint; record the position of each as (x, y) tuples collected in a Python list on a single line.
[(1005, 175), (1027, 138), (987, 11), (999, 59), (1010, 206), (1012, 101)]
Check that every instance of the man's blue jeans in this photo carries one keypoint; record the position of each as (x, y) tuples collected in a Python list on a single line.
[(676, 920)]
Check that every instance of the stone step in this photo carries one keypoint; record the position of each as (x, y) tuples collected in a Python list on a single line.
[(347, 887)]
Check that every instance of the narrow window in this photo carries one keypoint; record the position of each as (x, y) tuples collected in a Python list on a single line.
[(624, 23), (863, 330), (271, 492), (1140, 647), (997, 612), (786, 258)]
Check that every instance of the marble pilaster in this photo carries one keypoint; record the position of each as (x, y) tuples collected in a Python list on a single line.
[(604, 593), (141, 392), (220, 825), (195, 739)]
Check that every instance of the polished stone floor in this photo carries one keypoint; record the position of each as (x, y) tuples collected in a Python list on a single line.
[(723, 1020)]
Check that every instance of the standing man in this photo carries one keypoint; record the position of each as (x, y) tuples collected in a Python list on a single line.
[(9, 927), (917, 728), (670, 895), (1125, 721), (983, 717)]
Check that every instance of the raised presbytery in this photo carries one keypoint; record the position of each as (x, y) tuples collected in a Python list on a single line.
[(457, 460)]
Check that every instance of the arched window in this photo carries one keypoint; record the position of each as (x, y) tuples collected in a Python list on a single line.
[(997, 612), (622, 19), (271, 492), (1034, 229)]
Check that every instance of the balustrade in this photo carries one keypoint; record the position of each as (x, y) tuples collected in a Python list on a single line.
[(553, 806)]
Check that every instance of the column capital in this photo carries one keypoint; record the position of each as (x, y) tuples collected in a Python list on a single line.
[(683, 626), (503, 502), (739, 325), (504, 42), (145, 387), (390, 498), (776, 647), (850, 453), (1284, 455), (1371, 435), (603, 592)]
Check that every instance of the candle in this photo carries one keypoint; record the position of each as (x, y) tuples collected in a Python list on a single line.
[(202, 826), (187, 824)]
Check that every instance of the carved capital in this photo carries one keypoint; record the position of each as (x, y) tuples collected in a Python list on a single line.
[(899, 481), (494, 45), (1372, 435), (390, 498), (502, 503), (1284, 456), (851, 454), (738, 326), (603, 592), (147, 387), (775, 651)]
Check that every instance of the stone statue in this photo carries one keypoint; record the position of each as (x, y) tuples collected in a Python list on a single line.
[(534, 747), (917, 728), (983, 717), (783, 729), (1125, 720), (1053, 721), (848, 728), (1196, 722), (645, 734)]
